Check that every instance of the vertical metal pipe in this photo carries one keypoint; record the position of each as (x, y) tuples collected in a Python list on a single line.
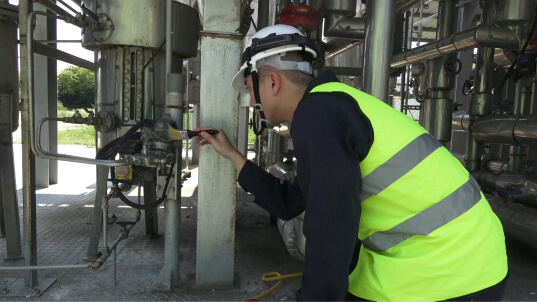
[(170, 274), (521, 106), (480, 100), (438, 107), (175, 89), (28, 159), (104, 206), (378, 48), (169, 37)]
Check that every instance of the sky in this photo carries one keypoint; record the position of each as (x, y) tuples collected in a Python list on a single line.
[(68, 32)]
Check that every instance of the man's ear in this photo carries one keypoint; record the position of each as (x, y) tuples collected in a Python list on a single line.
[(275, 82)]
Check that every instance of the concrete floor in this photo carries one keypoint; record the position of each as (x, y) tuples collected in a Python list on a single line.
[(64, 214)]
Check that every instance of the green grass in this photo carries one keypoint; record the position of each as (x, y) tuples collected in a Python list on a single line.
[(77, 135)]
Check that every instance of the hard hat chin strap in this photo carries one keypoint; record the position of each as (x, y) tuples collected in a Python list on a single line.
[(258, 106)]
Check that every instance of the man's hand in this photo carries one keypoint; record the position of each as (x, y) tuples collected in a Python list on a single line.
[(221, 145)]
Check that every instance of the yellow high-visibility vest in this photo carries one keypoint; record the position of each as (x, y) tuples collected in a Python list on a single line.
[(427, 231)]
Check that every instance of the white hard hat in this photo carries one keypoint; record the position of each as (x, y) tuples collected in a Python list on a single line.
[(266, 48)]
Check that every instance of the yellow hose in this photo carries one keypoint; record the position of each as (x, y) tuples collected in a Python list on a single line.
[(274, 276)]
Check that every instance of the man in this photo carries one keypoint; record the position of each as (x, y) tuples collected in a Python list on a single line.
[(390, 214)]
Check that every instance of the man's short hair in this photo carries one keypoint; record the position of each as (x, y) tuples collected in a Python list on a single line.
[(295, 76)]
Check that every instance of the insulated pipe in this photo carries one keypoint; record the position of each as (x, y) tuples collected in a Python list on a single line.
[(496, 166), (479, 103), (341, 27), (380, 18), (521, 106), (338, 46), (517, 130), (460, 121), (481, 36), (438, 107), (518, 221)]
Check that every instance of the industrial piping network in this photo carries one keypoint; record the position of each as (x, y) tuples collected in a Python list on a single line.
[(494, 134)]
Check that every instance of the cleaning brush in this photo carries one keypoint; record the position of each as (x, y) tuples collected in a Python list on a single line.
[(166, 130), (176, 135)]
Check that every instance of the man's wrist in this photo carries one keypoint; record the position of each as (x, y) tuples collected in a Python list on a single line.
[(238, 160)]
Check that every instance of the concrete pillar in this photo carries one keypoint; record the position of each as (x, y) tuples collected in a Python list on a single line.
[(220, 54)]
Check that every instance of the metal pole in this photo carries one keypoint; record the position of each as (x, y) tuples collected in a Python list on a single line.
[(42, 267), (438, 107), (480, 100), (378, 48), (175, 89), (28, 159)]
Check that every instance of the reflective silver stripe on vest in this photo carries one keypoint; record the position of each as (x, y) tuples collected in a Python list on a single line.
[(398, 165), (425, 222)]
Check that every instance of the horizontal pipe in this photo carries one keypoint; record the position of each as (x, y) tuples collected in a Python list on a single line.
[(59, 41), (460, 121), (338, 46), (40, 267), (496, 166), (518, 220), (57, 54), (67, 17), (402, 6), (518, 130), (482, 35), (337, 26)]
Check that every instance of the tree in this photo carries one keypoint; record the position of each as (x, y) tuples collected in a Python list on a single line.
[(76, 87)]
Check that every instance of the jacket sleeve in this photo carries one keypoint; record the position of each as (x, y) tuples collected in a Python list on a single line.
[(281, 198), (329, 139)]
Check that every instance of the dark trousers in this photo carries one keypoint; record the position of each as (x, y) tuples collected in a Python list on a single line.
[(493, 293)]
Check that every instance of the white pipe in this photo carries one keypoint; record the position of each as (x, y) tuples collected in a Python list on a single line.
[(104, 206), (26, 268)]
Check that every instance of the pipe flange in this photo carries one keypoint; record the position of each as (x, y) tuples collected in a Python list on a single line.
[(106, 122)]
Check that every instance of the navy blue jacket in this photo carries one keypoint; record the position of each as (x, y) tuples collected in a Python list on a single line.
[(330, 136)]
